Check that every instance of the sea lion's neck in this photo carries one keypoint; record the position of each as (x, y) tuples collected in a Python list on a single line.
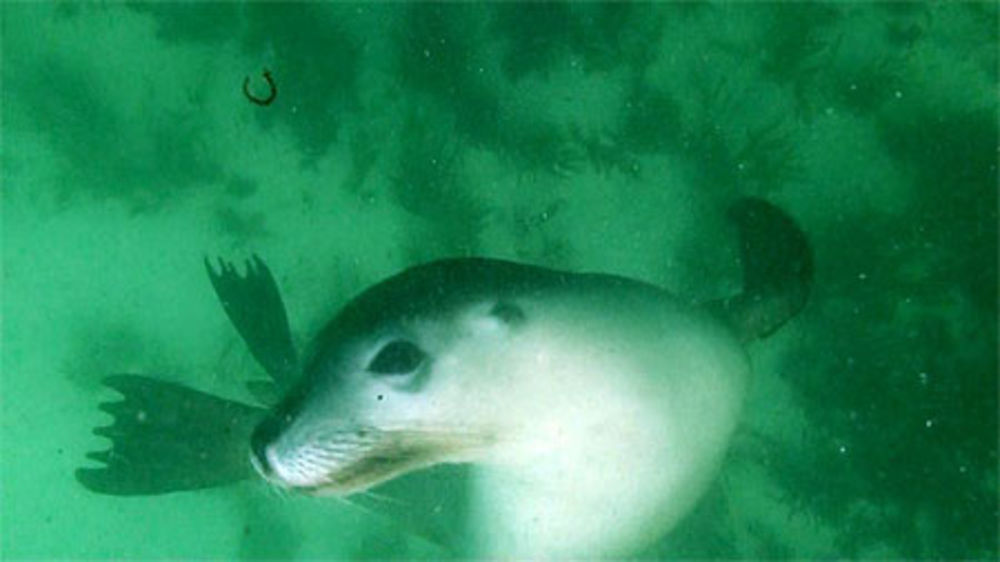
[(592, 492), (607, 449), (583, 449)]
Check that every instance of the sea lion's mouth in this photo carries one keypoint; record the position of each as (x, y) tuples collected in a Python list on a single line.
[(345, 462)]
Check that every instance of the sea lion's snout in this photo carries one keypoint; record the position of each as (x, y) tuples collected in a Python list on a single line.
[(283, 455), (367, 420), (268, 436), (264, 434)]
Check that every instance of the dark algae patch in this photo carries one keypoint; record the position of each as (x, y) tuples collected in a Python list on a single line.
[(140, 138)]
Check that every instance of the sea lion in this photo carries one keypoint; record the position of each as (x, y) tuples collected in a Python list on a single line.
[(591, 410)]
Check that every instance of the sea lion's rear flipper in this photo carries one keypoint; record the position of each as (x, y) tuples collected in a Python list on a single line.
[(777, 270), (253, 304), (168, 438)]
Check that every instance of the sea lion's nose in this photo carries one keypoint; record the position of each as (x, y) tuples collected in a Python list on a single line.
[(269, 433), (263, 436)]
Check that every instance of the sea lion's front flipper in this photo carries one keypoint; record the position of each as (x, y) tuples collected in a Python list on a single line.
[(777, 270), (168, 438), (254, 306)]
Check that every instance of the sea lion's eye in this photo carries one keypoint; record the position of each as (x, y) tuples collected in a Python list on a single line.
[(397, 357), (508, 312)]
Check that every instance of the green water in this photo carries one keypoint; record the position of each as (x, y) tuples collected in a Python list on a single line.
[(579, 136)]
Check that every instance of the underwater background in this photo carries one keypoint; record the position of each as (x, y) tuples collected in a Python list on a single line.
[(597, 137)]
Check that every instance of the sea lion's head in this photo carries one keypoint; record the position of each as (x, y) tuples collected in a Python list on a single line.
[(402, 378)]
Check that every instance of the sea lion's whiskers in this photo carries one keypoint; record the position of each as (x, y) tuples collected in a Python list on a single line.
[(279, 491), (329, 455), (338, 435), (346, 500), (460, 437), (328, 458), (381, 497)]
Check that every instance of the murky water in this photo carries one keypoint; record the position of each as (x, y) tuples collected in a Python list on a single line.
[(585, 137)]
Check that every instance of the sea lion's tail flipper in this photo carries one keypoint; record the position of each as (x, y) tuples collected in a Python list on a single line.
[(254, 306), (777, 270), (168, 438)]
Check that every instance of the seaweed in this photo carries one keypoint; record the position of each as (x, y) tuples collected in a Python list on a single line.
[(704, 138), (889, 399), (652, 119), (602, 32), (606, 152), (734, 149), (238, 225), (798, 46), (952, 157), (867, 89), (434, 56), (537, 241), (537, 34), (316, 90), (364, 154), (613, 35), (241, 187), (542, 148), (427, 184), (98, 346), (146, 166), (795, 38), (209, 23), (767, 157), (601, 36)]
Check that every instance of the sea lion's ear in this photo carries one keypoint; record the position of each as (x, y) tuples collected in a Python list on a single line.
[(507, 312)]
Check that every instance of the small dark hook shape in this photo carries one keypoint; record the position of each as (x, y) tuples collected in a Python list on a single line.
[(270, 83)]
